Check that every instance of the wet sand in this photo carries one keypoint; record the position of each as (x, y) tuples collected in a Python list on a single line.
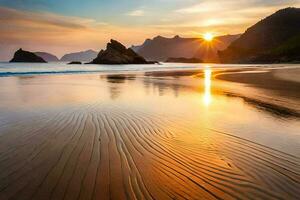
[(279, 88), (273, 88), (166, 136)]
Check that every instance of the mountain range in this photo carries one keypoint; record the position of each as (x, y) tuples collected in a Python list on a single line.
[(82, 56), (275, 39), (47, 56), (161, 48)]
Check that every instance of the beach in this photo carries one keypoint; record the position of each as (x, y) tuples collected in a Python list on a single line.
[(209, 133)]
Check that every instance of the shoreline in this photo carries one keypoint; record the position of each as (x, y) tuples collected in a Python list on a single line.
[(145, 135), (255, 77)]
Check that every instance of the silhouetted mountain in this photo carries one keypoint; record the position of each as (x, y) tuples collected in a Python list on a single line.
[(161, 48), (47, 56), (273, 39), (184, 60), (26, 56), (116, 53), (83, 56)]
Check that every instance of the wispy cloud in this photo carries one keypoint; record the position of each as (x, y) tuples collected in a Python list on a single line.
[(136, 13), (227, 16), (37, 18), (213, 7), (205, 7), (57, 33), (44, 31)]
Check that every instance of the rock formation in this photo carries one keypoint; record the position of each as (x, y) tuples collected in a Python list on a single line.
[(116, 53), (75, 63), (26, 56)]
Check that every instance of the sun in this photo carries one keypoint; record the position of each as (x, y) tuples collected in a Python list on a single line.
[(208, 37)]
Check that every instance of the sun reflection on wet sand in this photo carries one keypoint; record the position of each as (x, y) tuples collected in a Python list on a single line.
[(207, 86)]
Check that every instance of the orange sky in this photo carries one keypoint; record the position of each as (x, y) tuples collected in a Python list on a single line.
[(61, 32)]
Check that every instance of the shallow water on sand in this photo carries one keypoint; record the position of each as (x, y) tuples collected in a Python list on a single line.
[(135, 137), (20, 69)]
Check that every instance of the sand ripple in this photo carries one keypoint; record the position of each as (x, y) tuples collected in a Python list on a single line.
[(103, 152)]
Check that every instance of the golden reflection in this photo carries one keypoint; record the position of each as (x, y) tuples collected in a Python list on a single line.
[(207, 86)]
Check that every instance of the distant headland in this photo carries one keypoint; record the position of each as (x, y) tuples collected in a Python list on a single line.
[(275, 39)]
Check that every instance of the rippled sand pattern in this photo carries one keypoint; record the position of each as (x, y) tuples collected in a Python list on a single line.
[(109, 152)]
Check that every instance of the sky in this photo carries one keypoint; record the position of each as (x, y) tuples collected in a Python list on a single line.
[(60, 27)]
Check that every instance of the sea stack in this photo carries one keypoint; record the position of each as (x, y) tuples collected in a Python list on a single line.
[(116, 53), (26, 56)]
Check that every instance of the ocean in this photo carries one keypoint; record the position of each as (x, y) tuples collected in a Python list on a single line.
[(19, 69)]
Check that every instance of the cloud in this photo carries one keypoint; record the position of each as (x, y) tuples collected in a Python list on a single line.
[(228, 16), (213, 6), (136, 13), (43, 31), (13, 16), (58, 34), (205, 7)]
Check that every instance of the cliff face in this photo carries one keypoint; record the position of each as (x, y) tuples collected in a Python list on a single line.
[(273, 39), (161, 48), (47, 56), (26, 56), (83, 56), (116, 53)]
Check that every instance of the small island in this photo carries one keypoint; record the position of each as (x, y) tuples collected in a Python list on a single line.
[(75, 63), (184, 60), (26, 56), (116, 53)]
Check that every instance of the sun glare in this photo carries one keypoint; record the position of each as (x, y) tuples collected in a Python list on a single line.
[(208, 37), (207, 86)]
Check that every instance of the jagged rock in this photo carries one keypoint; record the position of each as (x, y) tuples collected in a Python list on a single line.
[(26, 56), (116, 53)]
